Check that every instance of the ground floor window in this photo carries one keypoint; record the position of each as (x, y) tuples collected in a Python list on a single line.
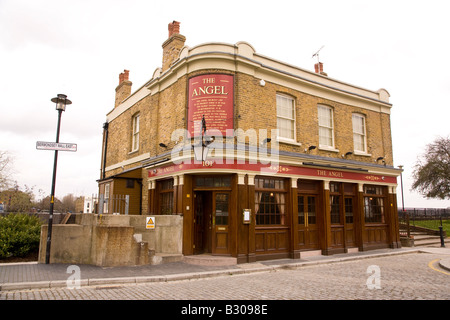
[(341, 203), (348, 209), (166, 197), (221, 209), (270, 201), (306, 209), (106, 199), (374, 204), (335, 203)]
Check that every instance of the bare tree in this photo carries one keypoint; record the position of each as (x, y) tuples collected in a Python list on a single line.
[(68, 203), (432, 170), (5, 169)]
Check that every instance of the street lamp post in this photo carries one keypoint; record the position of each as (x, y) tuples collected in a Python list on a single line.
[(61, 102), (401, 182)]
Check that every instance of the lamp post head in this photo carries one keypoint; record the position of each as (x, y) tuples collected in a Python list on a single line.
[(61, 102)]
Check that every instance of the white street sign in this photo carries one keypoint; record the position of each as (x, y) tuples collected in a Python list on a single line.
[(42, 145)]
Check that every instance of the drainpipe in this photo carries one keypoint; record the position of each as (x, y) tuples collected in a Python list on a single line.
[(105, 147)]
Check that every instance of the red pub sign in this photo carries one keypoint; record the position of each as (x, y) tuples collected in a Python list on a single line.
[(210, 96), (259, 168)]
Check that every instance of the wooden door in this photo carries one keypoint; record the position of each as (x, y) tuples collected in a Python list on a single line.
[(308, 235), (220, 222), (202, 222), (350, 240)]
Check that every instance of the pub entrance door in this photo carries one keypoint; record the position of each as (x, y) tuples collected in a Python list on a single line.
[(211, 222), (308, 234), (342, 208)]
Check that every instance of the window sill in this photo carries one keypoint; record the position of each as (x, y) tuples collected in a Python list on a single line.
[(288, 141), (330, 149), (133, 152), (360, 153)]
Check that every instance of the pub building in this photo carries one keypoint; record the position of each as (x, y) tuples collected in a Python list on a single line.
[(261, 159)]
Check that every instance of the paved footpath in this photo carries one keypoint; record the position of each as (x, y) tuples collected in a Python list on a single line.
[(410, 273)]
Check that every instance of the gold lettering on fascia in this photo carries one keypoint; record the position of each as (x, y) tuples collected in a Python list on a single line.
[(334, 174), (209, 90)]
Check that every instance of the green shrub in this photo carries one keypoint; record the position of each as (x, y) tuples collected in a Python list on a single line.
[(19, 235)]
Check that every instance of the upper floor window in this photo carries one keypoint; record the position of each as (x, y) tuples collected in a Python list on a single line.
[(359, 132), (326, 128), (286, 117), (135, 137)]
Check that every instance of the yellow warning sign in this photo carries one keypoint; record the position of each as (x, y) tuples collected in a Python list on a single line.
[(150, 223)]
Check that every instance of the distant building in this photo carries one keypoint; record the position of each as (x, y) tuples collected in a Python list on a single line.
[(262, 159), (85, 204), (89, 204)]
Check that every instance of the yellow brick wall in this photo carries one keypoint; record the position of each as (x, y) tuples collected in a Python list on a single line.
[(254, 108)]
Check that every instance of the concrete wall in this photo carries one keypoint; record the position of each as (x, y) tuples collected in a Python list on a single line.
[(112, 240), (70, 244)]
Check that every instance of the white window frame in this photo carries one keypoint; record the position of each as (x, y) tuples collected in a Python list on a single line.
[(363, 134), (106, 199), (283, 117), (326, 126), (135, 133)]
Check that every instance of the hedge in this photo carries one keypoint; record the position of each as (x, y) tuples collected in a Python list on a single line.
[(19, 235)]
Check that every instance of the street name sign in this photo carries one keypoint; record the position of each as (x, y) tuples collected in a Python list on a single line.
[(60, 146)]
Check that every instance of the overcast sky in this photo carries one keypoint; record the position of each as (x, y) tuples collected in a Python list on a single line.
[(79, 47)]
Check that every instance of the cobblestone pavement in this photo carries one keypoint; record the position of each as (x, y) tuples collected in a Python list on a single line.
[(409, 276)]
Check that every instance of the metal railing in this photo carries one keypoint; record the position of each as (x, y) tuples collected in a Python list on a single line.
[(426, 220), (116, 204)]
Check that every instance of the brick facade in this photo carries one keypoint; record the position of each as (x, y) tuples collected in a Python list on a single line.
[(162, 108)]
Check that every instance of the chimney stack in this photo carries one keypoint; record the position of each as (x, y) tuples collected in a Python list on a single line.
[(318, 67), (173, 45), (123, 90)]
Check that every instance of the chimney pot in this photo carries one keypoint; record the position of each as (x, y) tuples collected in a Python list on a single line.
[(318, 68), (174, 27), (124, 76)]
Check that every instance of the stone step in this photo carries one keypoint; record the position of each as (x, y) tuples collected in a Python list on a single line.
[(430, 242), (210, 260), (161, 258)]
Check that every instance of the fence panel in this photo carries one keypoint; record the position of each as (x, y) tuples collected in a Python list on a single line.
[(421, 219), (117, 204)]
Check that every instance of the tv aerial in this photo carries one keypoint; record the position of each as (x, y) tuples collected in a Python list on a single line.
[(317, 53)]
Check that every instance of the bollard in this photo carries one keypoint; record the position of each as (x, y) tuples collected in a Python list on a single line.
[(441, 233)]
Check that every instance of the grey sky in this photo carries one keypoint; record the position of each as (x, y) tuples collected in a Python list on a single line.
[(79, 48)]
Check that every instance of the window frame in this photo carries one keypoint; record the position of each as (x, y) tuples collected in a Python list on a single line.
[(330, 128), (372, 202), (166, 194), (135, 132), (336, 203), (293, 120), (363, 134), (278, 200), (106, 193)]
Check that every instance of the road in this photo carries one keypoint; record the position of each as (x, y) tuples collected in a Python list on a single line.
[(408, 276)]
